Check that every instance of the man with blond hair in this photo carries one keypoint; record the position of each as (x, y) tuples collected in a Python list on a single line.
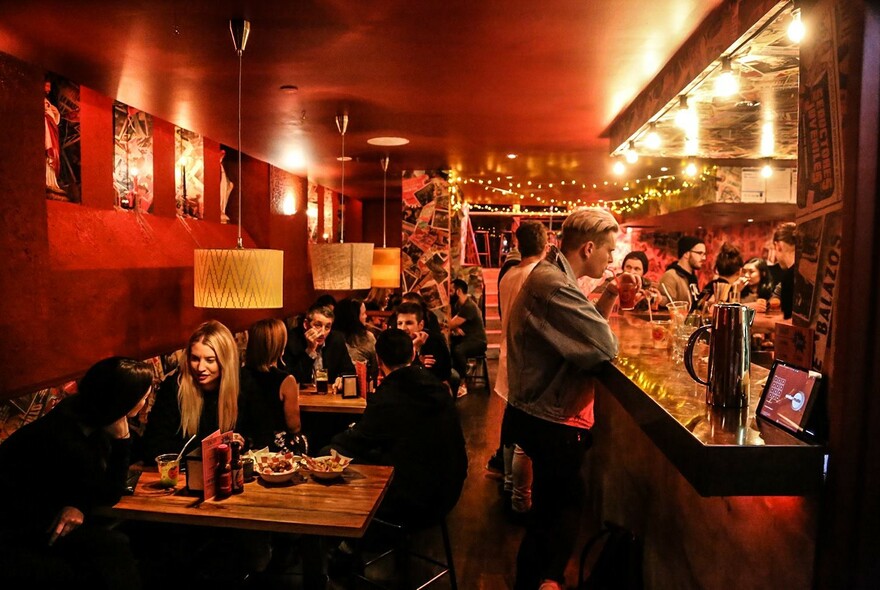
[(555, 339)]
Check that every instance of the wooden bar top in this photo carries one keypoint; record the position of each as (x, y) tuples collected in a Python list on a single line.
[(720, 452), (311, 401), (342, 507)]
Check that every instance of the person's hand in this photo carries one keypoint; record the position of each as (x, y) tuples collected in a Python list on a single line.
[(419, 339), (611, 289), (759, 305), (427, 360), (312, 335), (457, 332), (118, 429), (67, 519)]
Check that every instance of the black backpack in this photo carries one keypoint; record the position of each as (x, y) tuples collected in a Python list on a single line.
[(618, 565)]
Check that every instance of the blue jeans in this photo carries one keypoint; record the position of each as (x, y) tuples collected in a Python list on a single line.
[(557, 452)]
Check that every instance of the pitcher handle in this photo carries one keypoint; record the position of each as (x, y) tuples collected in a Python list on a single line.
[(689, 354)]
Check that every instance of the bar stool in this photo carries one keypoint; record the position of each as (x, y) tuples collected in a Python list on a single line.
[(478, 372), (402, 552)]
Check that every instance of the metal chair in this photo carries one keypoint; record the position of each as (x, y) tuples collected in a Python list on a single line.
[(402, 552)]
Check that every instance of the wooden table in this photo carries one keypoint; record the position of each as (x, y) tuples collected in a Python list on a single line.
[(342, 507), (310, 401)]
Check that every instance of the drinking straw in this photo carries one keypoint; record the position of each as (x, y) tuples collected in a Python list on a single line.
[(192, 438), (665, 290), (650, 315)]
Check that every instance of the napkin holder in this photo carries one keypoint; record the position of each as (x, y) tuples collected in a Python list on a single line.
[(349, 386), (195, 483)]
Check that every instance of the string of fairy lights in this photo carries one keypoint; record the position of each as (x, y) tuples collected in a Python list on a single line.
[(638, 192)]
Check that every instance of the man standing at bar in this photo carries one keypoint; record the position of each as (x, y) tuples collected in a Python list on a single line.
[(556, 339), (680, 275)]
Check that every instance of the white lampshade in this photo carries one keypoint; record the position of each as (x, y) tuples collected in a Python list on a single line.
[(238, 278), (386, 267), (342, 267)]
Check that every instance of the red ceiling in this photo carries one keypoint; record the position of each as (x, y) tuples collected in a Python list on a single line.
[(466, 82)]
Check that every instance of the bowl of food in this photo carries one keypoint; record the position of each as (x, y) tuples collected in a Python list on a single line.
[(276, 467), (327, 466)]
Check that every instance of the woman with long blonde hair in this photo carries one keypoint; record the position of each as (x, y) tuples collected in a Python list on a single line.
[(201, 398), (269, 395)]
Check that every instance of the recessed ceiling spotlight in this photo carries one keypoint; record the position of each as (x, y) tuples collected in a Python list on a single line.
[(511, 156), (388, 141), (343, 158), (289, 88)]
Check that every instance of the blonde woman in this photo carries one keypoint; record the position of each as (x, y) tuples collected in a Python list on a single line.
[(269, 401), (201, 398)]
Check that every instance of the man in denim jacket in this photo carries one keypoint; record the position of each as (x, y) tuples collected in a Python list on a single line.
[(556, 341)]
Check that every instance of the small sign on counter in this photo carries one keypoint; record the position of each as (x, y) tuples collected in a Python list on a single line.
[(794, 345)]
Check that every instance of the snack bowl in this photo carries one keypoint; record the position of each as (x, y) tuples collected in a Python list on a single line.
[(326, 467), (276, 467)]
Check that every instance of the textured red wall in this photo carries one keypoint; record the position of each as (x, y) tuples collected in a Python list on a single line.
[(372, 213), (80, 282)]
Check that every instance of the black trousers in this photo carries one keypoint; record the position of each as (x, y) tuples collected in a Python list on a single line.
[(557, 452), (462, 350)]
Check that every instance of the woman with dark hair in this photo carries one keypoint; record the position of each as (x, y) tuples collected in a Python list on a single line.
[(758, 285), (56, 470), (351, 322), (728, 267), (269, 402)]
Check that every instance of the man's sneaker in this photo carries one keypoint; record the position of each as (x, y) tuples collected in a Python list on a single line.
[(496, 463), (462, 390)]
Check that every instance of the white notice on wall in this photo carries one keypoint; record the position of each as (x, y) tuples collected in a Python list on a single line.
[(779, 186), (752, 185)]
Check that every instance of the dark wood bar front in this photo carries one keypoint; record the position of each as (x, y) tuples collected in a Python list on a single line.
[(719, 500)]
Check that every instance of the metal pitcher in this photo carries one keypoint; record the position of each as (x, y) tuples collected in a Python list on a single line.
[(729, 355)]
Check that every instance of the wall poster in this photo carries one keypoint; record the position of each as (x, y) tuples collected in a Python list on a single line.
[(62, 147), (133, 163), (425, 243), (312, 212), (189, 173)]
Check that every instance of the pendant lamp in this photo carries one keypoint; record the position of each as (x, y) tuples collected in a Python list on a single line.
[(238, 278), (342, 267), (386, 261)]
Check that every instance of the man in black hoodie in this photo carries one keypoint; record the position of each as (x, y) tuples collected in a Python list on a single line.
[(411, 423), (680, 275)]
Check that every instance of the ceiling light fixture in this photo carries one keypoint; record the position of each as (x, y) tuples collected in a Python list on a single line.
[(631, 155), (511, 156), (342, 267), (618, 168), (238, 278), (690, 168), (386, 261), (767, 168), (388, 141), (796, 29), (652, 139), (726, 84), (684, 116)]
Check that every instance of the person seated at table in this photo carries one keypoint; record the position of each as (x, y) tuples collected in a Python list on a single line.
[(56, 470), (201, 398), (430, 348), (351, 319), (784, 244), (269, 400), (314, 345), (467, 331), (411, 423), (758, 286), (682, 273), (728, 271)]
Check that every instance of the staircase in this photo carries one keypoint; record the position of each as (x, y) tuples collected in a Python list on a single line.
[(492, 319)]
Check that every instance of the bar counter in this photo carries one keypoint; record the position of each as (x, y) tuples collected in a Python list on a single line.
[(718, 500), (720, 452)]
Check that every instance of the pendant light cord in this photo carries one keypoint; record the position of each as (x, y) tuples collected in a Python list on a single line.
[(240, 183), (342, 195), (384, 199)]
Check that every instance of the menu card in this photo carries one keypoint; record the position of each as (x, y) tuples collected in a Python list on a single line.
[(209, 459)]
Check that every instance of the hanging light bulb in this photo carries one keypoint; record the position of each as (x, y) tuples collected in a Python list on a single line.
[(796, 30), (652, 139), (726, 84), (386, 261), (238, 278), (767, 169), (691, 168), (631, 155), (618, 168), (685, 118)]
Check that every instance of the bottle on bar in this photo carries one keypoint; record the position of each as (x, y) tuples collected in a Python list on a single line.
[(237, 469), (224, 471)]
